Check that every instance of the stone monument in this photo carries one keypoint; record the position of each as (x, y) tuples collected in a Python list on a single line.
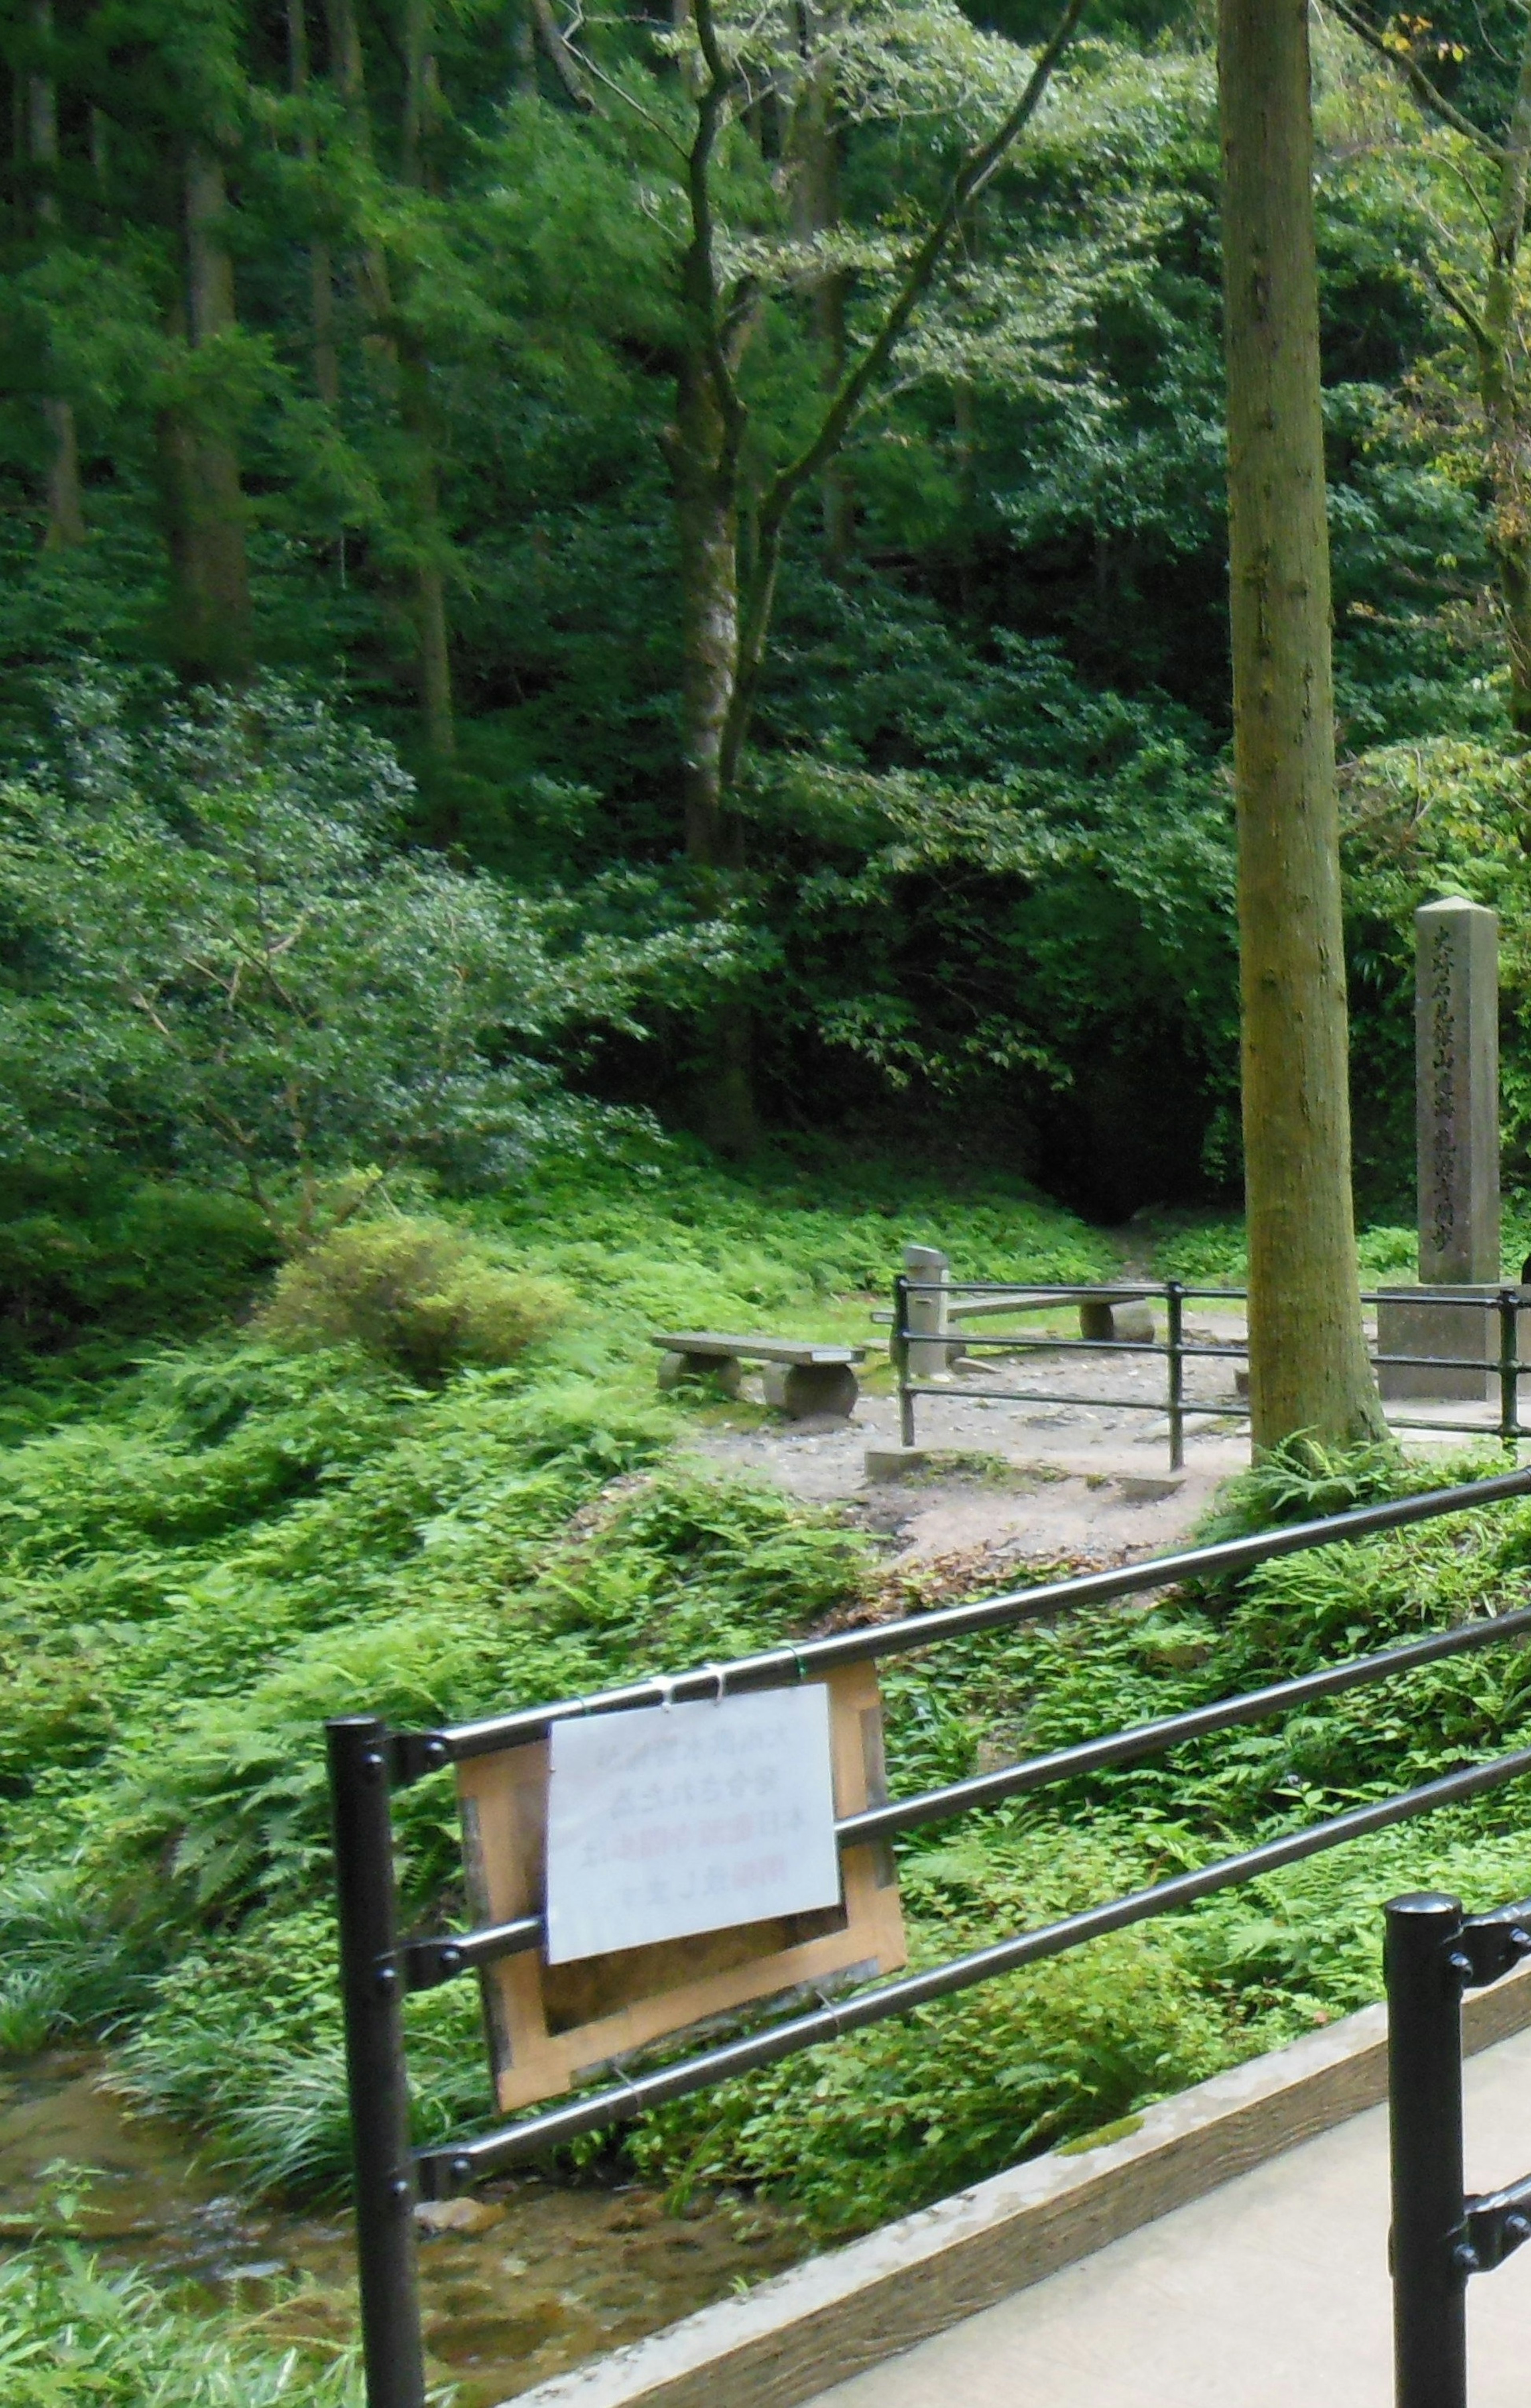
[(929, 1347), (1456, 1106)]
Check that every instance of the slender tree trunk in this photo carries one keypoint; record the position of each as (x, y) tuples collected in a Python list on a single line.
[(816, 212), (1506, 407), (707, 523), (706, 519), (212, 633), (418, 414), (522, 50), (326, 360), (400, 366), (1308, 1370), (66, 507)]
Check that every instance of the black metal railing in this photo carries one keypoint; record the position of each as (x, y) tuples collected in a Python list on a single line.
[(920, 1330), (1442, 2235), (368, 1760)]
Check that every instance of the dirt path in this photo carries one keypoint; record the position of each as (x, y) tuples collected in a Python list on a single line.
[(1029, 1482)]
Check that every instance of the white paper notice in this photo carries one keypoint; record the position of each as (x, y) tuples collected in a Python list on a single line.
[(678, 1819)]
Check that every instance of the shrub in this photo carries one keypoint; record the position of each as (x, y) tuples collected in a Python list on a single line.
[(414, 1292)]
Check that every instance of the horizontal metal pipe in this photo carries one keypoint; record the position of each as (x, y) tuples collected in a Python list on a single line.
[(1173, 1730), (1488, 1364), (1046, 1345), (780, 1666), (453, 2167), (1464, 1430), (430, 1962), (1016, 1341), (1122, 1292), (1228, 1406), (953, 1288)]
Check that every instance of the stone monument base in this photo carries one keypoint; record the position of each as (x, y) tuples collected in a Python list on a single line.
[(1412, 1322)]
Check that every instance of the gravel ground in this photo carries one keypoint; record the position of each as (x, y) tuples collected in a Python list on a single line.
[(1032, 1481)]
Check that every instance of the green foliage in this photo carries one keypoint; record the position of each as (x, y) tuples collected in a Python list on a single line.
[(415, 1293), (212, 1556), (88, 1264), (214, 955), (74, 2334), (1301, 1480)]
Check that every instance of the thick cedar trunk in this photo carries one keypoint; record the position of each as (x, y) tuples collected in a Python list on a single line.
[(1308, 1360), (65, 509), (212, 633)]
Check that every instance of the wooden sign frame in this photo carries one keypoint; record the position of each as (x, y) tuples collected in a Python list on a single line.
[(552, 2025)]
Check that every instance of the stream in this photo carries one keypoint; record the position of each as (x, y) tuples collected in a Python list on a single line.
[(530, 2278)]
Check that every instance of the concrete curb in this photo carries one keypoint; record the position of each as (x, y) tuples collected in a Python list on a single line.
[(828, 2319)]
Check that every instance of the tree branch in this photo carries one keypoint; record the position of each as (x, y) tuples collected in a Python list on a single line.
[(1458, 304), (1419, 82), (700, 273), (981, 164), (560, 55)]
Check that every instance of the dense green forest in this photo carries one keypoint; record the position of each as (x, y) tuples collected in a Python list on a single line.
[(614, 697), (365, 353)]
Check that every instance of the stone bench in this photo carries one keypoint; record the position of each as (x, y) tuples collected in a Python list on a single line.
[(800, 1378)]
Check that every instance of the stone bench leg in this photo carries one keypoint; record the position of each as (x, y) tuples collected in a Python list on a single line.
[(724, 1371), (799, 1389)]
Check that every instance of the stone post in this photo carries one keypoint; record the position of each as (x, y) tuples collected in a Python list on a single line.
[(1456, 1106), (928, 1313), (1457, 1081)]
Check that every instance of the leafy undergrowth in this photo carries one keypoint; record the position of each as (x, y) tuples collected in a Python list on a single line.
[(211, 1556), (74, 2334)]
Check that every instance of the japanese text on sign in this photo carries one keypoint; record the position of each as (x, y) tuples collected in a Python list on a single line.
[(681, 1819)]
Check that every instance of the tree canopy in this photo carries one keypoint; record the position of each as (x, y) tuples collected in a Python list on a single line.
[(760, 474)]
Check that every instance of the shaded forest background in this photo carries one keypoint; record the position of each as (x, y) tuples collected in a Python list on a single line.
[(350, 368)]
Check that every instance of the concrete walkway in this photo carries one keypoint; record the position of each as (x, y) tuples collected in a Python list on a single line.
[(1271, 2292)]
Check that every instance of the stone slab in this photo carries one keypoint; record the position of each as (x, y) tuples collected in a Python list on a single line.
[(894, 1462), (705, 1343), (1415, 1325), (1457, 1089), (798, 2337)]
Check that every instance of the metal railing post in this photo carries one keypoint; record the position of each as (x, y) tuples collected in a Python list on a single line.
[(1509, 1427), (1175, 1363), (899, 1348), (1425, 2109), (372, 1994)]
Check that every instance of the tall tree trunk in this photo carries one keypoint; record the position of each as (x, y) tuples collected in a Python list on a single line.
[(400, 364), (1507, 406), (706, 473), (707, 523), (65, 509), (326, 360), (522, 50), (1308, 1370), (816, 211), (213, 632), (416, 410)]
